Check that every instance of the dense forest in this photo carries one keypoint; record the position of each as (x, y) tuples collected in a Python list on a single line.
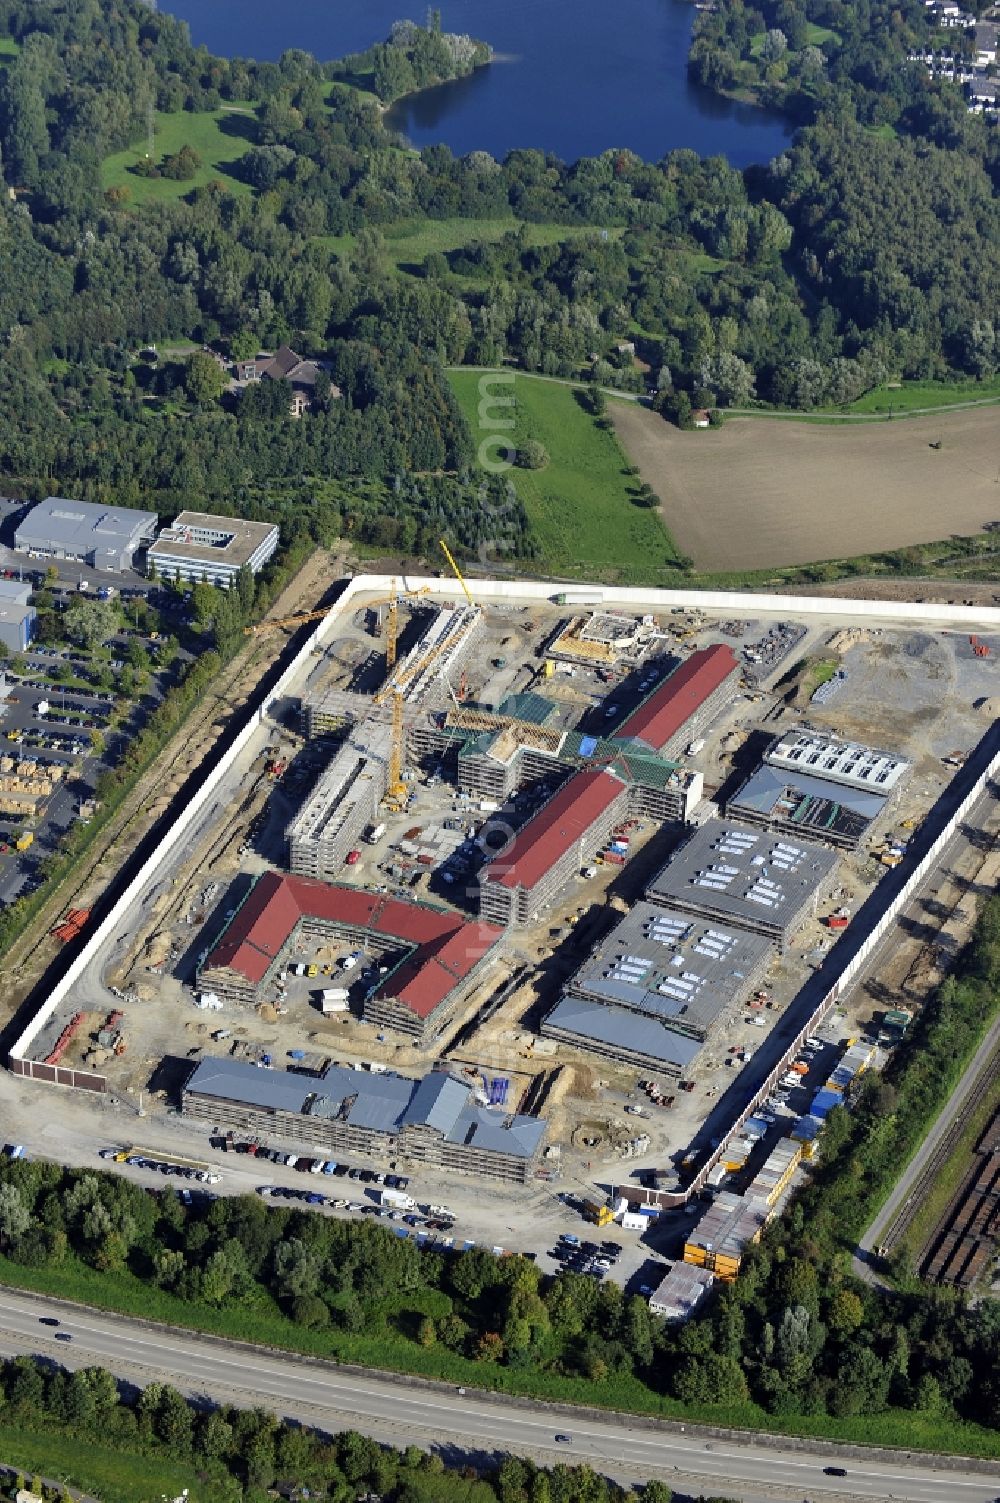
[(853, 258)]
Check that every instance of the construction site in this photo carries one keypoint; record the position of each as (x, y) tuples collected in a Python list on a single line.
[(545, 848)]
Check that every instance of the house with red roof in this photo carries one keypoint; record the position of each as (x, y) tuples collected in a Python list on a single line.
[(425, 959)]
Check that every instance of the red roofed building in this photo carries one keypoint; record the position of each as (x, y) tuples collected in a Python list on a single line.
[(564, 835), (673, 714), (431, 955)]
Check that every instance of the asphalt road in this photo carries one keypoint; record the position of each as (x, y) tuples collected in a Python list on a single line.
[(441, 1418)]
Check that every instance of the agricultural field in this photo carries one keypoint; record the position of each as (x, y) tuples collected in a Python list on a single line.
[(581, 504), (220, 137), (760, 493)]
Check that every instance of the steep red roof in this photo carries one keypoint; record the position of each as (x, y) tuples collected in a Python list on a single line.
[(551, 832), (445, 947), (669, 707)]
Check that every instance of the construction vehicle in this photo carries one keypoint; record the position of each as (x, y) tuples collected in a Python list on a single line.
[(455, 569), (979, 648), (23, 842), (597, 1212)]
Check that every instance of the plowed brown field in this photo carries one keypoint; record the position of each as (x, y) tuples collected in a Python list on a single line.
[(761, 492)]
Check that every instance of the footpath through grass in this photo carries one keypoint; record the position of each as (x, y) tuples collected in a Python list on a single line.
[(581, 505), (911, 396), (220, 137)]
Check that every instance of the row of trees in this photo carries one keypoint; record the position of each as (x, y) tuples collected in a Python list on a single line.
[(241, 1456)]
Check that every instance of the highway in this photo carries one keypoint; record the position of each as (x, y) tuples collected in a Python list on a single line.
[(465, 1426)]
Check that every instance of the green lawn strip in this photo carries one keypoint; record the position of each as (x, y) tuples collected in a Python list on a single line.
[(910, 394), (409, 241), (107, 1472), (580, 504), (206, 132), (8, 48), (263, 1324), (820, 672), (815, 37), (936, 1199)]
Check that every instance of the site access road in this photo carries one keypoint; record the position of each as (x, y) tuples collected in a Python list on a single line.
[(404, 1411)]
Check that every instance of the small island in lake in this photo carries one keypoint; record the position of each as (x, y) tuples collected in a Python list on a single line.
[(416, 57)]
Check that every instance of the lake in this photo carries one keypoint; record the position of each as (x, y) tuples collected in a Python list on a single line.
[(573, 77)]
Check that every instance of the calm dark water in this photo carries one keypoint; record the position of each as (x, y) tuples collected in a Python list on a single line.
[(573, 76)]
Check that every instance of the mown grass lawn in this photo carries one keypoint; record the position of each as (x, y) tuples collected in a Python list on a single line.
[(220, 137), (108, 1472), (580, 505), (409, 241), (8, 48), (909, 395)]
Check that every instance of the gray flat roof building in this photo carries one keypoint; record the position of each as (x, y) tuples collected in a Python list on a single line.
[(615, 1033), (846, 763), (651, 991), (201, 547), (749, 879), (105, 537), (435, 1120), (680, 968), (17, 625)]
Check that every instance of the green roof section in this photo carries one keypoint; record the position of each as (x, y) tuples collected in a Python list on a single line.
[(534, 708)]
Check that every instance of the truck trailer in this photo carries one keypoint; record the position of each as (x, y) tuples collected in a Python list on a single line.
[(397, 1200)]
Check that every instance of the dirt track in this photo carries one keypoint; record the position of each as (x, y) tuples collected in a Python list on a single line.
[(763, 492)]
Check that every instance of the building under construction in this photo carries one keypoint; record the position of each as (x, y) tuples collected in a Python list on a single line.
[(565, 834), (684, 704), (652, 991), (814, 785), (602, 639), (434, 657), (744, 878), (422, 961), (434, 1122), (344, 801)]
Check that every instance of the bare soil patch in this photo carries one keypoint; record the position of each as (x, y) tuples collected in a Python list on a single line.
[(763, 492)]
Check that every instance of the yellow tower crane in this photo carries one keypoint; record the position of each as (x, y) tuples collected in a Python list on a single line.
[(455, 569), (396, 792), (391, 623)]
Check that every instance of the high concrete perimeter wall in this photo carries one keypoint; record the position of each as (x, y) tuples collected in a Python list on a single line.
[(963, 618)]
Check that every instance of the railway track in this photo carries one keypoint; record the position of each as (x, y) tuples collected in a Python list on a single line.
[(985, 1082), (966, 1237)]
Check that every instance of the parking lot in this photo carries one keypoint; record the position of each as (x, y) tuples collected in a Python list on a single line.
[(62, 710)]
